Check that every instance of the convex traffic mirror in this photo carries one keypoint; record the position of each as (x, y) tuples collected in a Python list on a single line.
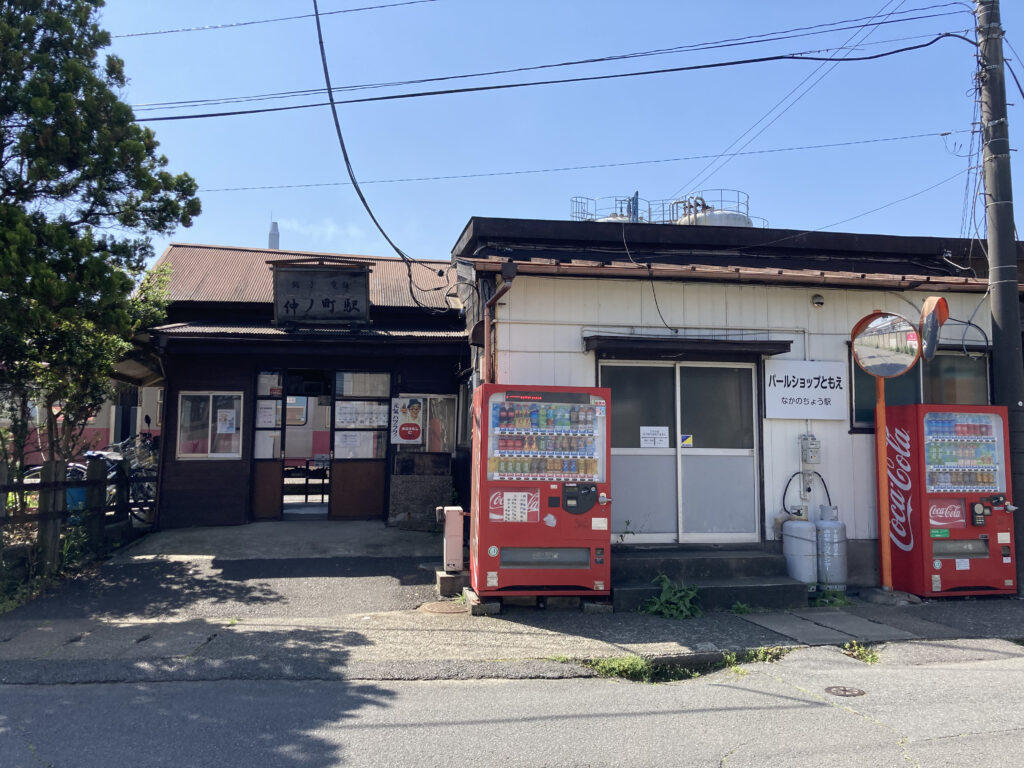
[(885, 345)]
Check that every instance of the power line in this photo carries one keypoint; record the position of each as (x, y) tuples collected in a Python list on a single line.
[(561, 81), (269, 21), (355, 183), (859, 215), (695, 47), (588, 167), (709, 170)]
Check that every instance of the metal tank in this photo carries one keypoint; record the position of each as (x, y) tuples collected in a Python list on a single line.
[(800, 547), (831, 540)]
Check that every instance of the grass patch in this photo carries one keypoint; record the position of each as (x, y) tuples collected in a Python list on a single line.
[(740, 608), (831, 597), (766, 654), (864, 653), (641, 670)]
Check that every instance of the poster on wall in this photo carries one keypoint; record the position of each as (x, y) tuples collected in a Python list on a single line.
[(407, 421), (806, 389), (225, 421)]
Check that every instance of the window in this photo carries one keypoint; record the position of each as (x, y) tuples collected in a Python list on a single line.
[(642, 396), (295, 407), (950, 378), (210, 425), (361, 415), (160, 407)]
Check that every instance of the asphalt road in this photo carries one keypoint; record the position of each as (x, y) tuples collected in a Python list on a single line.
[(939, 703)]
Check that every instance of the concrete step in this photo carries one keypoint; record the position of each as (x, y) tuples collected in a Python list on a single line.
[(776, 592), (689, 565)]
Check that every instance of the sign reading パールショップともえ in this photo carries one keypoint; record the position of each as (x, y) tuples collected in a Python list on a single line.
[(806, 389)]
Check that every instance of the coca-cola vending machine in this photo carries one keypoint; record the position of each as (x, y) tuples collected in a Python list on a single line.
[(950, 512), (541, 507)]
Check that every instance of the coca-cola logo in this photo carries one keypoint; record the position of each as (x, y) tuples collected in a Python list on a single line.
[(901, 484), (946, 514)]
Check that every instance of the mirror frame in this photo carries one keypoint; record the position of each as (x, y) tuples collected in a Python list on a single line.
[(863, 323)]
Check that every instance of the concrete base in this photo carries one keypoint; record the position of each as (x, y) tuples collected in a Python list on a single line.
[(451, 584), (478, 607), (590, 606)]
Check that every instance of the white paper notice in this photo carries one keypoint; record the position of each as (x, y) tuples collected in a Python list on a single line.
[(1003, 537), (654, 437), (265, 412), (599, 524), (515, 506), (963, 564)]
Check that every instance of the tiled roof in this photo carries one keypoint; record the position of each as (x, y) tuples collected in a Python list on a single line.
[(262, 330), (211, 273)]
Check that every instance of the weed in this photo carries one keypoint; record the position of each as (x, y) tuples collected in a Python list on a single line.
[(676, 601), (560, 659), (766, 654), (732, 663), (831, 597), (640, 670), (626, 531), (864, 653), (740, 608)]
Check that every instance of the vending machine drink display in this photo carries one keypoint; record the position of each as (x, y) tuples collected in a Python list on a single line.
[(541, 504), (951, 516)]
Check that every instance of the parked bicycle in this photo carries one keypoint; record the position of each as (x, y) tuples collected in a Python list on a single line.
[(137, 457)]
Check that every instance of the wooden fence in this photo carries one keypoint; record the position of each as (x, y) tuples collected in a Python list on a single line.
[(103, 505)]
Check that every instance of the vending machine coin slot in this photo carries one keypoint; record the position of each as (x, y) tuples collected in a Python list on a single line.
[(578, 498), (978, 512)]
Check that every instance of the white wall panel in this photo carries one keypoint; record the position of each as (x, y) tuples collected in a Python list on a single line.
[(544, 345)]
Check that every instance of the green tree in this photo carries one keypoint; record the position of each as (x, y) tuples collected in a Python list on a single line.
[(82, 186)]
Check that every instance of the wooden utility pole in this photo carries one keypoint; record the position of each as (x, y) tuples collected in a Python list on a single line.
[(1007, 361)]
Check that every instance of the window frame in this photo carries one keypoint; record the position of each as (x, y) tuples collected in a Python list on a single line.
[(865, 427), (208, 456)]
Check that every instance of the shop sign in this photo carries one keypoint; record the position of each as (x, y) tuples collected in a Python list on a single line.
[(806, 389), (321, 295)]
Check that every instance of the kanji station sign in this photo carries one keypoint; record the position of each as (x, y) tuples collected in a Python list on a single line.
[(320, 295), (806, 389)]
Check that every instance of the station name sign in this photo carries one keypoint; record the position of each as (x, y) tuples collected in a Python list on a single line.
[(319, 294)]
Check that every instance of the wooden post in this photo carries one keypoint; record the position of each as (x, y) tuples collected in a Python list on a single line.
[(95, 503), (52, 503), (3, 506)]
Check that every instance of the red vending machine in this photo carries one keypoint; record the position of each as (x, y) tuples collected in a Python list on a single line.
[(951, 516), (541, 507)]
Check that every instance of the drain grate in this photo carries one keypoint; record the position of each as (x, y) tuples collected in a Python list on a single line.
[(842, 690), (445, 607)]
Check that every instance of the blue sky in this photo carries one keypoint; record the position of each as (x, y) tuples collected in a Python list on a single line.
[(625, 121)]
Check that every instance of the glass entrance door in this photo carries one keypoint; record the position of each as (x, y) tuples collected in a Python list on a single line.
[(717, 454), (684, 461)]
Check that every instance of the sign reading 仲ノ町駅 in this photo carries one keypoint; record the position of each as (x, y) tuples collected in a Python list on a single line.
[(320, 294), (806, 389)]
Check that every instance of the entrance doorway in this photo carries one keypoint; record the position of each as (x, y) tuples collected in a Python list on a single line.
[(684, 466), (306, 473), (320, 444)]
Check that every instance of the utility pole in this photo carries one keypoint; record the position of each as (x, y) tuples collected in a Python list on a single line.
[(1007, 362)]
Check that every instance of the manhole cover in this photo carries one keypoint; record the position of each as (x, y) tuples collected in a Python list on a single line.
[(444, 607), (842, 690)]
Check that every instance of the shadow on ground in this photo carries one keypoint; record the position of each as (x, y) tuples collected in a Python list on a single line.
[(236, 698)]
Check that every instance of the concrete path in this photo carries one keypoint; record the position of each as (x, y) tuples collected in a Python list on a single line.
[(328, 600)]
